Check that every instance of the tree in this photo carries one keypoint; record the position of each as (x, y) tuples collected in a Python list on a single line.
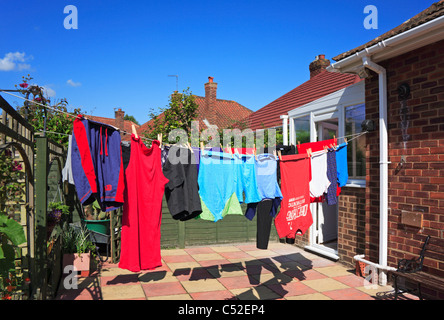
[(131, 118), (179, 114)]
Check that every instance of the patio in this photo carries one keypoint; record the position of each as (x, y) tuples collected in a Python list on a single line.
[(231, 272)]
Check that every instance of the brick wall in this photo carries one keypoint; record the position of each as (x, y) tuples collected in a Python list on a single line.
[(351, 224), (416, 135)]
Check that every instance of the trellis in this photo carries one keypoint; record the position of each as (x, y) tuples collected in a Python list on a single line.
[(37, 258)]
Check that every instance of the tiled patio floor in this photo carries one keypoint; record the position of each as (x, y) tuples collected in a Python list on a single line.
[(230, 272)]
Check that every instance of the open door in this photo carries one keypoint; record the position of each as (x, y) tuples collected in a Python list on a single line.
[(324, 231)]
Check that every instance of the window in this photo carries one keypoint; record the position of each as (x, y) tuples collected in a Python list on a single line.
[(354, 115), (302, 128)]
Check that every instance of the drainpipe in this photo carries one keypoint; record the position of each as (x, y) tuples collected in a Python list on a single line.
[(285, 129), (383, 166)]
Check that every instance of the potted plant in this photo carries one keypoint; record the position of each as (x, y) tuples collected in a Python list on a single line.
[(57, 209), (96, 220), (78, 249), (54, 215)]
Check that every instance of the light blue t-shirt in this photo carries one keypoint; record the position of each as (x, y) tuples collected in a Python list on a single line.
[(341, 164)]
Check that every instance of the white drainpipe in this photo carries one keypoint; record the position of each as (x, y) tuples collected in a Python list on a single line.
[(383, 166), (285, 129)]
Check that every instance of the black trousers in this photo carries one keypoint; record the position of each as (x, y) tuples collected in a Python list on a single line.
[(264, 221)]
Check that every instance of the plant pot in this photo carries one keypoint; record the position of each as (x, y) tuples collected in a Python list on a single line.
[(81, 262), (100, 226), (54, 216)]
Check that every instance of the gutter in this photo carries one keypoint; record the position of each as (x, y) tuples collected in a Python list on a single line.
[(426, 33)]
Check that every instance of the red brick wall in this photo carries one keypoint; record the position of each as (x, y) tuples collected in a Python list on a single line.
[(418, 185), (351, 224)]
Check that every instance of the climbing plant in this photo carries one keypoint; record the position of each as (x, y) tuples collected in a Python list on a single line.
[(56, 118), (11, 232)]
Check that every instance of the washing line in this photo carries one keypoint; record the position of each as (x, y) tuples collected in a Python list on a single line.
[(67, 113)]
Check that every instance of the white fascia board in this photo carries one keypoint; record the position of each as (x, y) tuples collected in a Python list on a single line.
[(351, 95)]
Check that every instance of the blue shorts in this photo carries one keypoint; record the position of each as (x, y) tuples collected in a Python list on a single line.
[(221, 175), (97, 166)]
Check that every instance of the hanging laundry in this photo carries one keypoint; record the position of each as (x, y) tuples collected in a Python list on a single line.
[(342, 164), (182, 190), (232, 207), (164, 150), (221, 175), (271, 195), (267, 184), (319, 182), (96, 162), (246, 179), (285, 150), (126, 153), (67, 169), (331, 196), (216, 181), (294, 216), (197, 152), (142, 210), (315, 146)]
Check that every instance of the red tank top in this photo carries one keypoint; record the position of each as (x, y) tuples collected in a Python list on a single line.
[(142, 209)]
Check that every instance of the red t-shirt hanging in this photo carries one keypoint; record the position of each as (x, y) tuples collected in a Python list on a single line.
[(142, 209), (294, 215)]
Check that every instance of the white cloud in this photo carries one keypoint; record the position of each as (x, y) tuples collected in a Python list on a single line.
[(48, 92), (73, 84), (14, 61)]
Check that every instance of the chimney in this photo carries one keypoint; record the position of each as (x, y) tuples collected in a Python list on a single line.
[(119, 114), (210, 93), (318, 65)]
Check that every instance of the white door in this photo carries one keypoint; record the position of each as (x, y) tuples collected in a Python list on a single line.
[(326, 215)]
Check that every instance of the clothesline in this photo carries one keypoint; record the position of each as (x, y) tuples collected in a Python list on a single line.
[(355, 135), (64, 112)]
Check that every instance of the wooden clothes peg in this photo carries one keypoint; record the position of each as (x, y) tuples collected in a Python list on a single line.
[(309, 152), (133, 129), (189, 147), (202, 147), (280, 155)]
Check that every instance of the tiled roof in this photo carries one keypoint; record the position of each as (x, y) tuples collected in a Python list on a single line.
[(223, 114), (126, 127), (434, 11), (317, 87)]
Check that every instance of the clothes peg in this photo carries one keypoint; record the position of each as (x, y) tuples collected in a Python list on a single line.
[(309, 152), (254, 151), (280, 155), (189, 147), (299, 143), (229, 150), (133, 129), (345, 139), (201, 147)]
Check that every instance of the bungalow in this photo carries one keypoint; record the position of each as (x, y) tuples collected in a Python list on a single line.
[(404, 97)]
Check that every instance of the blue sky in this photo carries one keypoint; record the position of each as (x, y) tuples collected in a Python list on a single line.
[(123, 52)]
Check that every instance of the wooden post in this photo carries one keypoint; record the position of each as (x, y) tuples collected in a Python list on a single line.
[(41, 190)]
